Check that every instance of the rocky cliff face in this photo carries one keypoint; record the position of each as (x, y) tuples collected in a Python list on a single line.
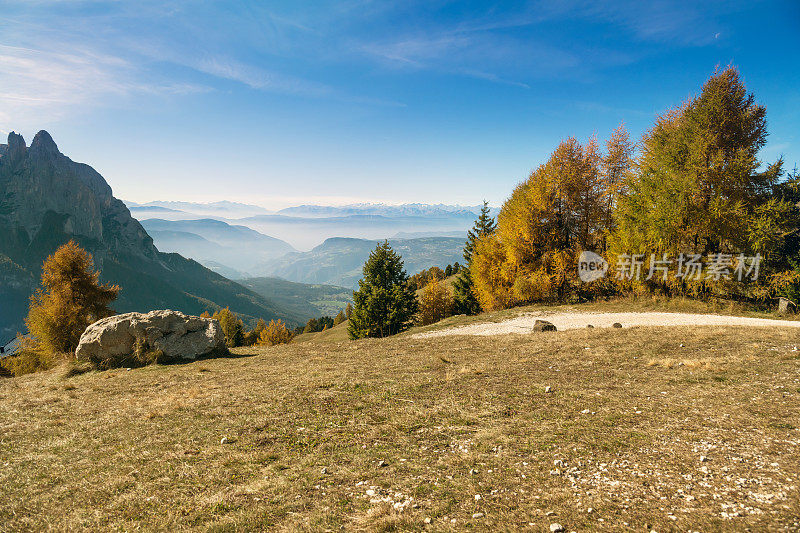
[(43, 190), (47, 199)]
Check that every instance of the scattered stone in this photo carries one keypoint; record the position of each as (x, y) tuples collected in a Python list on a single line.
[(472, 472), (544, 325), (477, 497), (556, 528), (616, 325), (477, 515), (703, 459), (590, 510), (589, 326), (323, 471), (382, 463), (227, 440), (548, 389), (428, 520)]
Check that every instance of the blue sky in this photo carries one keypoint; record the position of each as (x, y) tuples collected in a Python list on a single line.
[(281, 103)]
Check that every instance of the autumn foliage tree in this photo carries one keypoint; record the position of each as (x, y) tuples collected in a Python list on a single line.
[(421, 279), (71, 298), (275, 333), (700, 187), (251, 337), (232, 326), (339, 318), (562, 209), (435, 302)]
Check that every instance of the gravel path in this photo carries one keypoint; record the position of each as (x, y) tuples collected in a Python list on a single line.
[(575, 320)]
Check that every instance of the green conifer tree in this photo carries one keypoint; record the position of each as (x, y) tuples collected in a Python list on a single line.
[(464, 301), (385, 303)]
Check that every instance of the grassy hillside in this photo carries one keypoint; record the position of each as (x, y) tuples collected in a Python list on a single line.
[(335, 335), (303, 300), (664, 429)]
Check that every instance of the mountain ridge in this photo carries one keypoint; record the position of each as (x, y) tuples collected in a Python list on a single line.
[(46, 199)]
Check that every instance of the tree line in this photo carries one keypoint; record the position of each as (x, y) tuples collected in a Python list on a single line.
[(692, 186)]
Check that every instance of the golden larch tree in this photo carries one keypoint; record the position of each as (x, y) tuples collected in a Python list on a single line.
[(71, 298)]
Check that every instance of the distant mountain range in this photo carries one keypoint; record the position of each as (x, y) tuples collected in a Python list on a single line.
[(338, 261), (222, 209), (47, 199), (384, 210), (307, 226), (306, 233), (238, 252)]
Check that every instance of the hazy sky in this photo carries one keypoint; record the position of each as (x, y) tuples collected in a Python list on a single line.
[(293, 102)]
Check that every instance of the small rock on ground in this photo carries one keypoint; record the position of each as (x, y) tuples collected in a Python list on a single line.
[(543, 325)]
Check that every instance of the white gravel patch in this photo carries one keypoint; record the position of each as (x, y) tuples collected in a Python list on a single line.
[(569, 320)]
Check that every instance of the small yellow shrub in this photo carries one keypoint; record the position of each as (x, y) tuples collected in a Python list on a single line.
[(275, 333), (31, 358)]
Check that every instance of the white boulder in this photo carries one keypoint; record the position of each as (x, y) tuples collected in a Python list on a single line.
[(175, 335)]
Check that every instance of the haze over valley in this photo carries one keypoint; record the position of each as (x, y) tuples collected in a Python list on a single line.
[(341, 237), (307, 226)]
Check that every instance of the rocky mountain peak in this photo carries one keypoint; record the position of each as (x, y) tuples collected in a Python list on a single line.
[(44, 194), (43, 143), (16, 149)]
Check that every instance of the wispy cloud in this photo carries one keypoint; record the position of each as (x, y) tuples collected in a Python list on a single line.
[(258, 78), (58, 55), (484, 57), (42, 85), (674, 22)]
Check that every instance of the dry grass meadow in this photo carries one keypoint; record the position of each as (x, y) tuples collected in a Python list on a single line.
[(663, 429)]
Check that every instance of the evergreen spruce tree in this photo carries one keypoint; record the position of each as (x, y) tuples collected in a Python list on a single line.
[(385, 302), (464, 301), (339, 318)]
